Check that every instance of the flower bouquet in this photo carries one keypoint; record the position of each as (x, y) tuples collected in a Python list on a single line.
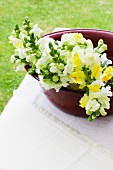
[(66, 61)]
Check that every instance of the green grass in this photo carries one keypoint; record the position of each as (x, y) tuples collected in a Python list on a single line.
[(48, 14)]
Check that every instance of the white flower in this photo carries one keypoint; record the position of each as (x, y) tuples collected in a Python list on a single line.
[(20, 67), (104, 59), (16, 42), (23, 34), (43, 62), (68, 68), (12, 59), (21, 52), (104, 101), (36, 30), (50, 84), (18, 61), (72, 38), (98, 82), (68, 39), (64, 80), (31, 58), (106, 91), (66, 55), (44, 43), (102, 96), (92, 105), (89, 45), (56, 68), (91, 59), (103, 92)]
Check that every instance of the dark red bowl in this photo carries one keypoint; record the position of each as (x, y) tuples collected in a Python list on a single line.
[(68, 100)]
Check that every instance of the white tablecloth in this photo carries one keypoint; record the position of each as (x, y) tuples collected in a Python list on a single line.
[(100, 130), (34, 135)]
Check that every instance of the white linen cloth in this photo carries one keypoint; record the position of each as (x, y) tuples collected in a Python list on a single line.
[(32, 138), (100, 130)]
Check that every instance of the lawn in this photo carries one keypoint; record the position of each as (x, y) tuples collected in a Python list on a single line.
[(48, 14)]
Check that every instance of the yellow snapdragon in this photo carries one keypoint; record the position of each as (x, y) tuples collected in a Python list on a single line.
[(83, 101), (94, 87), (108, 74), (78, 77), (96, 71), (75, 60), (78, 36)]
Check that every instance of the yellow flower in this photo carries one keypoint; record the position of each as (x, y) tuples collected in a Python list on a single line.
[(109, 70), (94, 87), (83, 101), (96, 70), (76, 60), (108, 74), (19, 44), (106, 78), (78, 36), (78, 76)]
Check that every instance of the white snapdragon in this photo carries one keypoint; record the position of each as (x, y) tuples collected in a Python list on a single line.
[(31, 58), (92, 105), (102, 97), (91, 59), (98, 82), (43, 61), (16, 42), (12, 59), (68, 39), (72, 38), (68, 68), (89, 45), (20, 67), (104, 59), (66, 55), (47, 84), (36, 30), (56, 68), (44, 44), (104, 101), (64, 80), (106, 91), (23, 34), (21, 52)]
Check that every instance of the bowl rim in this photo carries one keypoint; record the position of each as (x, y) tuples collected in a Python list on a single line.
[(83, 30)]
